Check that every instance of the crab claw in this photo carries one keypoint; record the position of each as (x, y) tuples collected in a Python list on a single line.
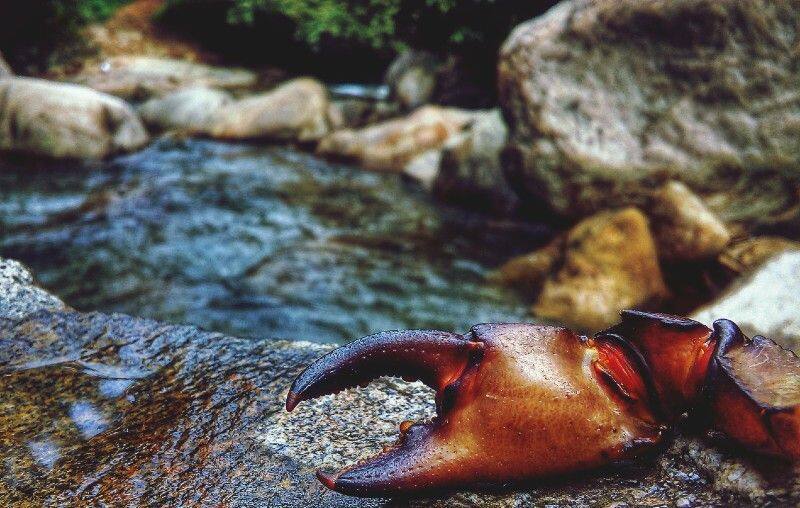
[(514, 401), (754, 392), (677, 350)]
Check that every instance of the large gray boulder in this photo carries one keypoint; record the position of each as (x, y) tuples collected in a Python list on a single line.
[(103, 408), (607, 97), (61, 120)]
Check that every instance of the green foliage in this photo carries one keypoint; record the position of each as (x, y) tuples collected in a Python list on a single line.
[(381, 24), (34, 32)]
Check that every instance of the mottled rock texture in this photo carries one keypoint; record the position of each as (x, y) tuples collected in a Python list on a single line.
[(607, 98), (391, 145), (190, 110), (766, 302), (61, 120), (412, 78), (141, 77), (297, 110), (101, 409)]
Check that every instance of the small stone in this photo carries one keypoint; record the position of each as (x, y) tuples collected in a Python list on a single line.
[(389, 146), (684, 228)]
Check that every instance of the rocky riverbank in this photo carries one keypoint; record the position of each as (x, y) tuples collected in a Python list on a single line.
[(133, 409)]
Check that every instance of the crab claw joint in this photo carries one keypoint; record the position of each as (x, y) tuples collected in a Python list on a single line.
[(514, 401)]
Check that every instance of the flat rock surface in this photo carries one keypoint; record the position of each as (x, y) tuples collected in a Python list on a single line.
[(108, 409)]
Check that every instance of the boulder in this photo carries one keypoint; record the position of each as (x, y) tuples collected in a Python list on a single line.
[(607, 97), (110, 407), (294, 111), (471, 173), (391, 145), (5, 69), (355, 113), (604, 264), (411, 78), (745, 256), (190, 110), (424, 168), (684, 228), (765, 302), (141, 77), (61, 120), (19, 295)]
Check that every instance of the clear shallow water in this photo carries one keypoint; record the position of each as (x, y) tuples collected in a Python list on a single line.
[(255, 241)]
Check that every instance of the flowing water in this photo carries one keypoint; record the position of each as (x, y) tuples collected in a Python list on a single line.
[(255, 242)]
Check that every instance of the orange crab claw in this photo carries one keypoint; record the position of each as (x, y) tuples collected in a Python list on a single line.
[(677, 351), (514, 401), (754, 392)]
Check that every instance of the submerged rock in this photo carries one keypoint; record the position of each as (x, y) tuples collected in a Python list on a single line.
[(294, 111), (189, 110), (684, 229), (391, 145), (102, 408), (602, 265), (765, 302), (471, 173), (606, 97), (141, 77), (61, 120)]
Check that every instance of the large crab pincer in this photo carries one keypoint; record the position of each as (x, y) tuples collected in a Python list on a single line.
[(521, 401)]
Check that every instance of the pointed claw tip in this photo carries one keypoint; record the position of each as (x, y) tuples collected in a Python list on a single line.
[(292, 400), (327, 479)]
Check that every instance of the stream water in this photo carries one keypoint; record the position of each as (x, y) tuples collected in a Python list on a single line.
[(255, 242)]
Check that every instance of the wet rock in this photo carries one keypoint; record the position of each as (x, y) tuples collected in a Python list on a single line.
[(412, 78), (391, 145), (605, 98), (5, 69), (101, 408), (684, 228), (471, 174), (189, 110), (602, 265), (295, 111), (141, 77), (764, 302), (61, 120)]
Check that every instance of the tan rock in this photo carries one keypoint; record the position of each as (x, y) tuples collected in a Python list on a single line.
[(528, 272), (294, 111), (684, 228), (605, 97), (141, 77), (746, 256), (608, 263), (65, 121), (391, 145), (192, 109)]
